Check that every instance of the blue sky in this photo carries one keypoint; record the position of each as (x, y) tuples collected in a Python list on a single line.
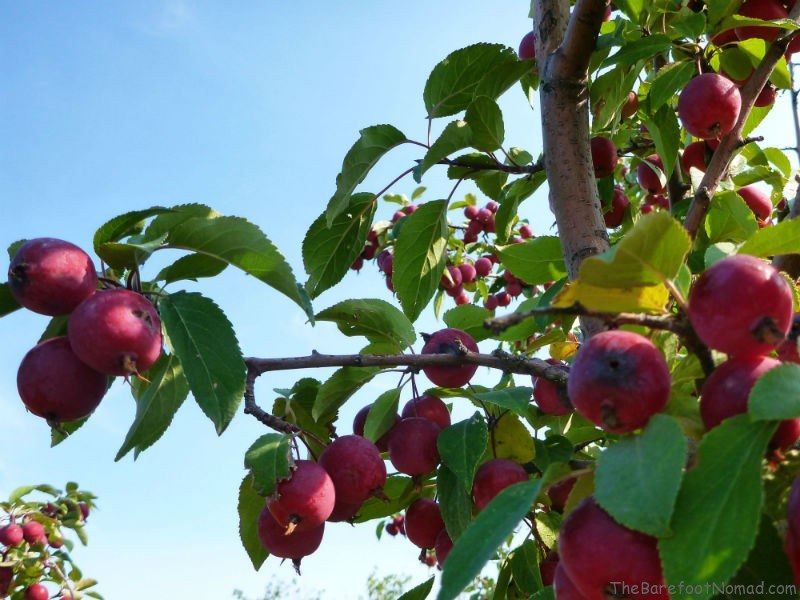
[(110, 107)]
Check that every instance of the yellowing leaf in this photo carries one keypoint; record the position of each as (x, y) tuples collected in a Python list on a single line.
[(510, 439), (584, 486), (563, 350), (650, 299)]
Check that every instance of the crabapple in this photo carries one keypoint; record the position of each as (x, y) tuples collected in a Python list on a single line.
[(484, 215), (386, 262), (355, 466), (11, 535), (766, 10), (423, 522), (357, 264), (412, 447), (527, 46), (428, 407), (656, 200), (483, 266), (455, 292), (559, 492), (455, 278), (788, 350), (494, 476), (391, 529), (604, 156), (649, 179), (631, 105), (564, 587), (54, 384), (549, 397), (471, 234), (618, 381), (33, 532), (525, 232), (471, 212), (304, 500), (598, 554), (490, 303), (116, 332), (757, 200), (450, 341), (614, 215), (50, 276), (698, 155), (343, 511), (462, 298), (513, 289), (6, 579), (741, 305), (442, 547), (503, 299), (37, 592), (548, 566), (361, 419), (296, 546), (468, 272), (709, 105)]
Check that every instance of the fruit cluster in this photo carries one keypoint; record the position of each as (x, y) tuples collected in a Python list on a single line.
[(35, 550), (111, 331)]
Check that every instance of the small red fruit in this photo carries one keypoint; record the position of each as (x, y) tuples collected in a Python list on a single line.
[(757, 200), (615, 214), (564, 586), (442, 547), (709, 105), (468, 272), (483, 266), (547, 568), (455, 278), (391, 529), (355, 466), (766, 10), (492, 477), (503, 298), (559, 492), (54, 384), (618, 381), (412, 447), (788, 350), (604, 156), (698, 155), (741, 305), (343, 511), (361, 419), (450, 341), (423, 522), (11, 535), (490, 303), (51, 276), (649, 179), (551, 399), (527, 47), (631, 105), (428, 407), (296, 546), (471, 212), (6, 580), (33, 532), (37, 592), (304, 500), (116, 332), (525, 232)]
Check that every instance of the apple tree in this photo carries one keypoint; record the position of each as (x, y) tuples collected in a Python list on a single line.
[(651, 455)]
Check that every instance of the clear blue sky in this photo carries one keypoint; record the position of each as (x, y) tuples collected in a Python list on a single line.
[(248, 107)]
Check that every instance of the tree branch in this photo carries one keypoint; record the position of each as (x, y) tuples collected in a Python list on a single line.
[(580, 38), (732, 141)]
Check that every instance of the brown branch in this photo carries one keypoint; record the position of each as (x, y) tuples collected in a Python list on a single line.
[(732, 141), (791, 262), (513, 169), (251, 408), (580, 38)]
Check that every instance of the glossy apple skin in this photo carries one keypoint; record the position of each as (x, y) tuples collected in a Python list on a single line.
[(492, 477), (450, 341), (442, 547), (648, 179), (295, 546), (306, 498), (741, 305), (356, 468), (423, 522), (50, 276), (757, 200), (618, 381), (604, 156), (709, 106), (412, 447), (428, 407)]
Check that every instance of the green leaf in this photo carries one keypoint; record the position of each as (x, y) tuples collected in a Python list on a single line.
[(452, 83), (156, 403), (454, 502), (552, 450), (669, 80), (338, 388), (729, 219), (250, 506), (767, 563), (128, 255), (376, 320), (243, 245), (131, 223), (513, 195), (328, 252), (535, 261), (269, 459), (23, 491), (419, 256), (193, 267), (651, 252), (8, 303), (204, 341), (666, 134), (469, 318), (382, 415), (65, 430), (525, 568), (165, 222), (487, 532), (547, 593), (776, 394), (372, 143), (13, 247), (783, 238), (718, 510), (420, 592), (636, 50), (637, 479), (516, 399), (461, 447), (456, 136), (501, 77), (719, 9), (486, 122), (399, 489)]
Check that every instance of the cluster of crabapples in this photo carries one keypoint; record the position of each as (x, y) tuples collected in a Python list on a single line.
[(27, 541), (112, 331)]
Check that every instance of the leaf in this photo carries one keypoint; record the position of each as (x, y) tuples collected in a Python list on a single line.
[(486, 122), (511, 440), (23, 491), (486, 533), (637, 479), (269, 459), (156, 403), (718, 510), (14, 247), (328, 252), (650, 253), (205, 343), (535, 261), (250, 506), (469, 318), (376, 320), (243, 245), (552, 450), (783, 238), (454, 502), (399, 489), (513, 195), (767, 563), (334, 392), (373, 142), (65, 430), (165, 222), (419, 256), (666, 134), (776, 394), (193, 266), (8, 303), (420, 592), (525, 568), (636, 50), (516, 399), (452, 83), (456, 136), (382, 415), (729, 218), (461, 447), (719, 9), (128, 255), (669, 80), (650, 299), (501, 77), (122, 226)]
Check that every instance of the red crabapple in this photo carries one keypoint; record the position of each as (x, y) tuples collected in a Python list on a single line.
[(54, 384), (37, 592), (296, 546), (428, 407), (6, 580), (51, 276), (490, 303), (551, 398), (618, 381), (304, 500), (788, 350), (423, 522), (116, 332), (631, 105), (656, 200), (450, 341), (462, 297), (343, 511), (503, 298), (483, 266), (33, 532), (412, 447), (471, 212), (525, 232), (455, 278), (709, 105), (615, 214), (757, 200), (527, 47), (548, 566), (649, 179), (468, 272), (11, 535), (765, 10), (355, 466), (698, 155), (361, 419), (442, 547), (564, 586), (559, 492), (492, 477), (741, 305), (604, 156)]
